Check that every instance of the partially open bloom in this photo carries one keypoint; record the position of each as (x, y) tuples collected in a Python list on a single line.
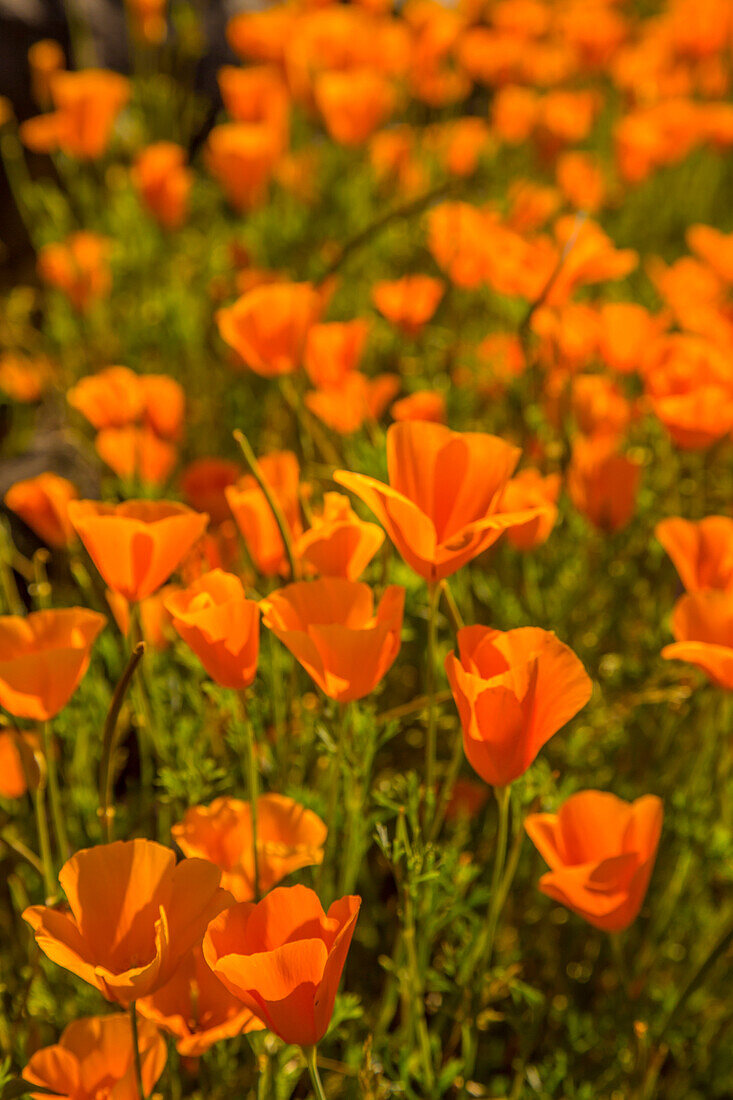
[(95, 1057), (197, 1009), (283, 958), (19, 752), (268, 326), (220, 625), (163, 182), (133, 915), (111, 398), (601, 852), (344, 407), (330, 626), (136, 453), (513, 690), (626, 330), (24, 379), (529, 489), (702, 552), (43, 658), (288, 837), (599, 406), (702, 623), (136, 545), (87, 104), (42, 503), (254, 516), (242, 156), (77, 266), (421, 405), (354, 103), (257, 94), (603, 484), (410, 302), (441, 508), (339, 543), (333, 350)]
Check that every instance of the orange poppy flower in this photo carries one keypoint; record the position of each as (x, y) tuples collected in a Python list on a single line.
[(45, 59), (42, 503), (513, 690), (156, 627), (163, 182), (499, 360), (422, 405), (515, 111), (339, 543), (261, 35), (79, 267), (333, 350), (458, 144), (580, 179), (220, 625), (133, 916), (714, 247), (590, 258), (602, 483), (599, 406), (410, 302), (702, 624), (163, 404), (148, 20), (601, 852), (345, 407), (43, 658), (257, 94), (241, 156), (436, 527), (626, 331), (702, 552), (283, 958), (531, 205), (253, 514), (529, 489), (456, 239), (95, 1057), (197, 1009), (288, 837), (136, 454), (204, 484), (268, 326), (24, 380), (112, 398), (136, 545), (87, 104), (18, 763), (330, 626)]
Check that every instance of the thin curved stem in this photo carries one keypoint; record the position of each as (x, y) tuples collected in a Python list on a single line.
[(57, 811), (136, 1051), (282, 525), (253, 785), (310, 1061), (484, 944), (431, 737)]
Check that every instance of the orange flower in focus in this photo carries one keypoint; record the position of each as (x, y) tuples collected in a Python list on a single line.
[(87, 104), (220, 625), (257, 94), (330, 626), (339, 544), (204, 484), (441, 507), (253, 514), (702, 624), (410, 302), (333, 350), (163, 182), (601, 852), (354, 103), (19, 752), (95, 1057), (42, 503), (45, 59), (79, 267), (702, 552), (148, 20), (422, 405), (134, 915), (136, 545), (625, 332), (580, 179), (136, 454), (288, 837), (603, 484), (112, 398), (513, 690), (346, 406), (529, 489), (196, 1009), (43, 658), (599, 406), (268, 326), (283, 958), (241, 156)]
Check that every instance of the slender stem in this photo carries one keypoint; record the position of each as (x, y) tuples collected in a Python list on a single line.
[(417, 1001), (619, 958), (136, 1051), (431, 737), (310, 1061), (454, 615), (282, 525), (448, 784), (484, 945), (253, 787), (333, 793), (109, 741), (21, 850), (57, 811), (44, 841), (13, 602)]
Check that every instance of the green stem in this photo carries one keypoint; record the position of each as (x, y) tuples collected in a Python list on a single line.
[(448, 784), (109, 741), (310, 1061), (431, 737), (13, 602), (57, 811), (456, 619), (484, 944), (417, 1003), (136, 1051), (253, 787), (44, 842), (282, 526), (333, 794)]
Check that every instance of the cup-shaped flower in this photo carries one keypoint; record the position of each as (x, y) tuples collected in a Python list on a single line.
[(513, 690), (330, 626), (409, 302), (601, 852), (221, 626), (136, 545), (111, 398), (283, 958), (288, 837), (79, 267), (441, 507), (603, 484), (421, 405), (702, 623), (95, 1057), (339, 543), (529, 489), (253, 514), (42, 503), (43, 657), (133, 915), (163, 182), (702, 551), (197, 1009), (268, 326)]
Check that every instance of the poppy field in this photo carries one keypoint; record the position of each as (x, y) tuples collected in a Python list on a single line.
[(366, 557)]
